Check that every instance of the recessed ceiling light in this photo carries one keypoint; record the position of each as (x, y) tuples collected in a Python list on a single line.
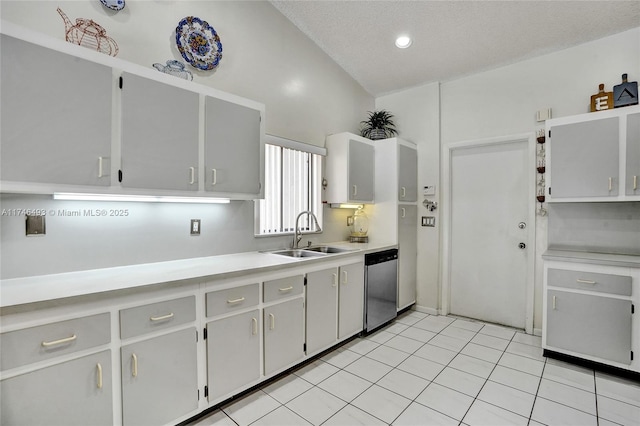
[(403, 42)]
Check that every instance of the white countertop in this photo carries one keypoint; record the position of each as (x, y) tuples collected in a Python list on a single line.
[(18, 291), (624, 260)]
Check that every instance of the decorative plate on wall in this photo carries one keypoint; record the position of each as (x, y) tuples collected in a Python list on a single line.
[(113, 4), (198, 43)]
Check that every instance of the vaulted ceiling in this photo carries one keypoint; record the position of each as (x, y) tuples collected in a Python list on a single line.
[(451, 38)]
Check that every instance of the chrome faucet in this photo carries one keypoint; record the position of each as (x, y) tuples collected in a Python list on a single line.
[(297, 235)]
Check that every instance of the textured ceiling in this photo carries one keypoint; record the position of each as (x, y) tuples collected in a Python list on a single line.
[(450, 38)]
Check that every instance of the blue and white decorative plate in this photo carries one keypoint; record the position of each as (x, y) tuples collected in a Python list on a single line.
[(198, 43), (113, 4)]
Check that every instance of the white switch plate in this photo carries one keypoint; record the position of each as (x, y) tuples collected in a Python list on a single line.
[(429, 190), (195, 226)]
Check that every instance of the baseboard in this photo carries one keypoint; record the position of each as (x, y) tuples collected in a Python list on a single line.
[(426, 310)]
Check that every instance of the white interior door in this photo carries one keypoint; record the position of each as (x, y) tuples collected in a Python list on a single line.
[(490, 245)]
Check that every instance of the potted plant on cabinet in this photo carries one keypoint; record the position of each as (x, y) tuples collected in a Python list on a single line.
[(379, 125)]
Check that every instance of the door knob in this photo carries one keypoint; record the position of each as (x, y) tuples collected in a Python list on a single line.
[(522, 246), (522, 225)]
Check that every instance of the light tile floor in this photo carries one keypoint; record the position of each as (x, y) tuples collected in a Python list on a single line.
[(435, 370)]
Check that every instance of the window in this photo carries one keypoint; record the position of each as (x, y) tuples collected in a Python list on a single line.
[(293, 174)]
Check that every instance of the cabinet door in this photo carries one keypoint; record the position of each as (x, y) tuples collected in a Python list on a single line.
[(159, 135), (232, 148), (76, 392), (633, 155), (283, 335), (407, 254), (322, 309), (591, 325), (361, 171), (584, 159), (351, 300), (407, 174), (159, 378), (229, 368), (55, 114)]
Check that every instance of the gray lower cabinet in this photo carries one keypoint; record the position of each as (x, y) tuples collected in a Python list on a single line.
[(283, 334), (233, 353), (322, 309), (56, 116), (159, 135), (593, 325), (351, 300), (407, 254), (159, 378), (77, 392), (584, 159)]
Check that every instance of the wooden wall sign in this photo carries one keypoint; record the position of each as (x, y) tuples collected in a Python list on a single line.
[(602, 100), (625, 93)]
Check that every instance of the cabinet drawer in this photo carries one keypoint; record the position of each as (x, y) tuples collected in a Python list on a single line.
[(22, 347), (157, 316), (601, 283), (232, 299), (284, 287)]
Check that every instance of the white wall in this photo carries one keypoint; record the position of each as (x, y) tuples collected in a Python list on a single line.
[(417, 116), (265, 58), (498, 103)]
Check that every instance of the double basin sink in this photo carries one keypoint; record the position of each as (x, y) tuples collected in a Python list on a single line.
[(314, 251)]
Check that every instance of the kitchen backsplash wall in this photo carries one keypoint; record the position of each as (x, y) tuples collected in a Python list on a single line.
[(142, 233), (597, 227)]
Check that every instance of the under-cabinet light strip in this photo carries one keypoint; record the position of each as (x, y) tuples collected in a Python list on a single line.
[(139, 198)]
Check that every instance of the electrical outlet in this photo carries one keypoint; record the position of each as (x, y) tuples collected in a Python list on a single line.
[(195, 226), (349, 220)]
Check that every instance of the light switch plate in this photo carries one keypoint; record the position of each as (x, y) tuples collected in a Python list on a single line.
[(195, 226), (35, 225), (428, 221), (429, 190)]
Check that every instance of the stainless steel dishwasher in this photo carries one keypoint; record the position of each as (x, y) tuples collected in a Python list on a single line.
[(381, 288)]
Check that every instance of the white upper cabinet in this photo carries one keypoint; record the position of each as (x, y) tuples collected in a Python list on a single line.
[(350, 169), (232, 148), (75, 120), (159, 135), (594, 157), (407, 173), (632, 175), (56, 116)]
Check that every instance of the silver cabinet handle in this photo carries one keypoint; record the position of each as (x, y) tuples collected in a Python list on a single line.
[(272, 325), (100, 169), (635, 182), (335, 280), (99, 374), (214, 176), (254, 328), (163, 317), (346, 277), (193, 175), (403, 192), (610, 183), (286, 289), (404, 212), (585, 281), (355, 190), (235, 301), (554, 303), (60, 341), (134, 365)]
